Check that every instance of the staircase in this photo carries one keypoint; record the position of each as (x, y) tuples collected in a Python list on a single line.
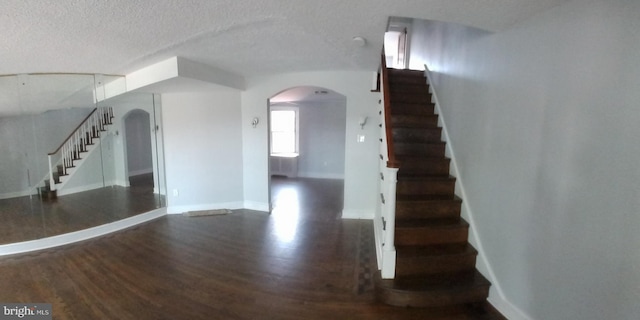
[(68, 157), (435, 265)]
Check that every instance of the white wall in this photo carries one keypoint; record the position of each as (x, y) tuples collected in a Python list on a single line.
[(322, 139), (203, 150), (360, 158), (26, 140), (543, 120), (13, 149)]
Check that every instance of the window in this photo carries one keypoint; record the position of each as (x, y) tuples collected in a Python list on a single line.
[(284, 130)]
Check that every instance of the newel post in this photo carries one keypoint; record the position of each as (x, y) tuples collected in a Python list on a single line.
[(52, 183), (389, 249)]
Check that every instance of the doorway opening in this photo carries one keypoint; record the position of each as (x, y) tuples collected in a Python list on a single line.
[(307, 130), (139, 161), (396, 43)]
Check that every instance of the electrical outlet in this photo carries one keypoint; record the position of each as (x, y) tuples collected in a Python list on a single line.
[(175, 192), (361, 138)]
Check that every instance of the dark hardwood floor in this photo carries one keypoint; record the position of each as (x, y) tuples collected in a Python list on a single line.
[(30, 218), (300, 262)]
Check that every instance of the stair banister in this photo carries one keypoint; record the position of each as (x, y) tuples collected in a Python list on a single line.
[(74, 131), (391, 158), (389, 172), (70, 149)]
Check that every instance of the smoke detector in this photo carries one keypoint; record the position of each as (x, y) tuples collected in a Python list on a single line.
[(359, 41)]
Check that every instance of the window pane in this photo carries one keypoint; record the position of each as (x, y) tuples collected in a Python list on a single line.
[(283, 131), (283, 142), (283, 120)]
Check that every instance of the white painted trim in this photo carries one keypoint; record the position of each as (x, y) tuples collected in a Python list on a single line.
[(9, 195), (140, 172), (77, 236), (320, 175), (377, 231), (257, 206), (154, 73), (508, 309), (208, 206), (121, 183), (358, 214), (84, 188)]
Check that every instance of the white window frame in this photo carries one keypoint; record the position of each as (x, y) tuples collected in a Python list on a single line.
[(296, 130)]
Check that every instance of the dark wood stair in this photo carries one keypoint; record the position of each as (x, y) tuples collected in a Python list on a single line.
[(435, 264)]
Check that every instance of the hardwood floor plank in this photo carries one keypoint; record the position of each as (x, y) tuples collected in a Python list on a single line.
[(30, 218), (301, 262)]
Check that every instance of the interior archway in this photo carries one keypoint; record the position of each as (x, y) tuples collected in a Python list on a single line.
[(139, 162), (318, 152)]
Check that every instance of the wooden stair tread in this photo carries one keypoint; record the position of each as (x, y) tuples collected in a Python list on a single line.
[(434, 291), (430, 177), (399, 105), (441, 282), (417, 161), (419, 144), (405, 72), (435, 250), (435, 223), (419, 158), (416, 134), (400, 120), (414, 261), (427, 198), (419, 149), (435, 177)]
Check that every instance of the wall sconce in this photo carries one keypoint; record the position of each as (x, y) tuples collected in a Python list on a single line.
[(255, 121), (362, 121)]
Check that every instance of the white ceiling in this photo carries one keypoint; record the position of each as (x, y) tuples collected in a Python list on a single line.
[(246, 37)]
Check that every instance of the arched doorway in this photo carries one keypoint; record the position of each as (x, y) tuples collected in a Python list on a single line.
[(139, 161), (307, 129)]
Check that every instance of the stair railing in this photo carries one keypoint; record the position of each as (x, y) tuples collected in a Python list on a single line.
[(63, 157), (385, 223)]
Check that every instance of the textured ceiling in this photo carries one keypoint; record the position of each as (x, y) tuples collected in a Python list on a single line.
[(246, 37)]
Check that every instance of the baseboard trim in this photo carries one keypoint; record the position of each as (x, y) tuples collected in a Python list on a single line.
[(208, 206), (377, 231), (257, 206), (507, 309), (88, 187), (357, 214), (140, 172), (77, 236), (18, 194), (319, 175)]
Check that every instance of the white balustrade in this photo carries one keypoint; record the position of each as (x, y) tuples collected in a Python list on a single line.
[(77, 142)]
